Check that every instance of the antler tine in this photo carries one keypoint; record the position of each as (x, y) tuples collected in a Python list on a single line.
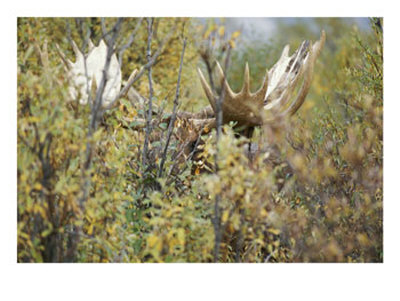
[(309, 69), (43, 54), (67, 62), (207, 89), (275, 94), (285, 52), (285, 75), (263, 89), (246, 80), (317, 47), (224, 81), (91, 45), (315, 51), (284, 56), (78, 53)]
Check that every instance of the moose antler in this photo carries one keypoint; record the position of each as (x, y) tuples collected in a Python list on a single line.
[(87, 71), (274, 98)]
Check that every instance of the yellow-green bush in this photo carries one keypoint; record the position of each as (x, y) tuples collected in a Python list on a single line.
[(312, 191)]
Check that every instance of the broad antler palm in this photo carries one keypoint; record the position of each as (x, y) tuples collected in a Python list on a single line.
[(274, 98), (87, 71)]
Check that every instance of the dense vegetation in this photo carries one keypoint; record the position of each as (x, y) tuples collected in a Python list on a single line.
[(312, 193)]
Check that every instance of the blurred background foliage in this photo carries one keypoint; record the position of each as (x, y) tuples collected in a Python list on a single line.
[(311, 193)]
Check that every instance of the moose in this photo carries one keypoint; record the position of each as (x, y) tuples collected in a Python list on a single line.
[(247, 109)]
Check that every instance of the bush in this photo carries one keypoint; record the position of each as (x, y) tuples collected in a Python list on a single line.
[(312, 192)]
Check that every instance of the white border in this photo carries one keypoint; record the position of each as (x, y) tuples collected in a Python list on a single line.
[(197, 281)]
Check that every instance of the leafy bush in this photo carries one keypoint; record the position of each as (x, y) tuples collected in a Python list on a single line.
[(311, 192)]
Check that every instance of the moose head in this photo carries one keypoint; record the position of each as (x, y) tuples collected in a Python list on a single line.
[(274, 98)]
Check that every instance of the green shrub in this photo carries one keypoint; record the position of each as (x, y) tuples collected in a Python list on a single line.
[(312, 192)]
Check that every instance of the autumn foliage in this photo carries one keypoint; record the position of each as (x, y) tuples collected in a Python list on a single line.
[(311, 191)]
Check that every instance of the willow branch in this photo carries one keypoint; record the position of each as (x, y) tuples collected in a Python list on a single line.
[(153, 59), (173, 118), (150, 109), (216, 220)]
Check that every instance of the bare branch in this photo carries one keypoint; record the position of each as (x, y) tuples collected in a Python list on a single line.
[(173, 118), (150, 110), (153, 59), (131, 39), (216, 220), (99, 94), (124, 90)]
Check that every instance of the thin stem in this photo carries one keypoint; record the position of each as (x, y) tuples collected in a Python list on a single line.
[(174, 112), (217, 210), (239, 241), (153, 59), (131, 39), (150, 109)]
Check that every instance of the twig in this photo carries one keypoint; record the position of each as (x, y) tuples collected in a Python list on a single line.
[(104, 79), (268, 257), (173, 118), (130, 41), (150, 109), (216, 220), (189, 158), (103, 28), (123, 91), (31, 148), (209, 71), (153, 59), (239, 241), (219, 113)]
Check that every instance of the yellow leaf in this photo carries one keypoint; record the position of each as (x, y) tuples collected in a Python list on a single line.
[(274, 231), (46, 232), (132, 113), (73, 147), (235, 34), (33, 119), (154, 242), (263, 212), (208, 32), (225, 216), (363, 239), (38, 186), (90, 230), (221, 31), (23, 177)]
